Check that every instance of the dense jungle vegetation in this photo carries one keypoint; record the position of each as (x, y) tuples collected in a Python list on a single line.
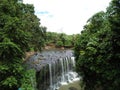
[(20, 31), (97, 50), (60, 39)]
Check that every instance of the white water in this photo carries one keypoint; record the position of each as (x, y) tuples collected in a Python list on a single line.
[(68, 75), (73, 61), (50, 69), (63, 77)]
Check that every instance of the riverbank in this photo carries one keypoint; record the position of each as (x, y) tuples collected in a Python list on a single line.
[(71, 86)]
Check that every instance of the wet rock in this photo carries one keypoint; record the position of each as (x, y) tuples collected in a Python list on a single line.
[(72, 88), (47, 57)]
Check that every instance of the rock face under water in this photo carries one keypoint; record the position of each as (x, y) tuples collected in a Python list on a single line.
[(53, 68)]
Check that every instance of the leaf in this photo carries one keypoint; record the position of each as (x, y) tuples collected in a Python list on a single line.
[(82, 52), (10, 81)]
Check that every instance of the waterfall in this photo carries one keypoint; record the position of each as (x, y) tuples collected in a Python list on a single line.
[(66, 70), (56, 68), (50, 69), (63, 78), (73, 61)]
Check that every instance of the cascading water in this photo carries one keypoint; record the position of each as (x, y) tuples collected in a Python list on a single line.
[(53, 69), (63, 73), (50, 69)]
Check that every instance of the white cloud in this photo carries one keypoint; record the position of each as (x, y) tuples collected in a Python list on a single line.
[(67, 16)]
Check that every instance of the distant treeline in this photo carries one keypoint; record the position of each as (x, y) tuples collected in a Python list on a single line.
[(60, 39)]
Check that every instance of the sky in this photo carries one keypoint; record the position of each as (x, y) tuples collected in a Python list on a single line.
[(66, 16)]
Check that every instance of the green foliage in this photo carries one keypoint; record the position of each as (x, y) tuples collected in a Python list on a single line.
[(60, 39), (31, 24), (10, 65), (10, 75), (97, 50), (10, 81), (8, 50), (59, 44), (29, 80), (51, 37), (20, 30)]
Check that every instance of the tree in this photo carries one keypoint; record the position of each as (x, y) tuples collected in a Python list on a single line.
[(18, 25), (97, 50), (32, 25), (60, 39), (13, 41), (63, 38)]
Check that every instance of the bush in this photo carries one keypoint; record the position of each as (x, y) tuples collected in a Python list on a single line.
[(29, 80), (59, 44)]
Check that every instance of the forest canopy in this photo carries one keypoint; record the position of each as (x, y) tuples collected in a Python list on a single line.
[(97, 50), (20, 31)]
